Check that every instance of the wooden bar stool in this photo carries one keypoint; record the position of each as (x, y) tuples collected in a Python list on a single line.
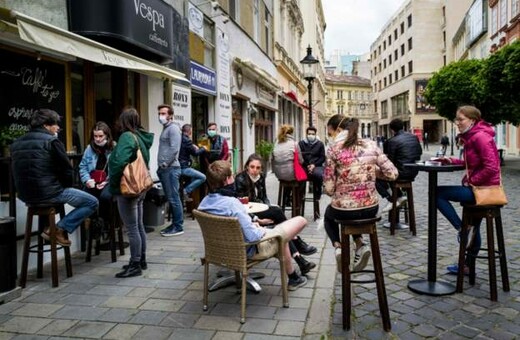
[(313, 199), (489, 213), (115, 227), (354, 227), (43, 210), (409, 209), (294, 187)]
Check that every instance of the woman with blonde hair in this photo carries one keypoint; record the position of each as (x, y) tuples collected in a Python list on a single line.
[(283, 154)]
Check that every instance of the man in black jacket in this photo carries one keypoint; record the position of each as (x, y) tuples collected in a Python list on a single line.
[(402, 148), (43, 174), (313, 153), (189, 149)]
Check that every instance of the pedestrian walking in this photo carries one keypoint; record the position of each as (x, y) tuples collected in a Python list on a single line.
[(425, 141)]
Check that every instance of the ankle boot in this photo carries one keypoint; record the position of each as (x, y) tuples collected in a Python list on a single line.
[(305, 266), (303, 247), (133, 269), (143, 263)]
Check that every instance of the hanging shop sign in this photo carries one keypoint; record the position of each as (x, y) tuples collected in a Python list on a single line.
[(181, 103), (203, 78)]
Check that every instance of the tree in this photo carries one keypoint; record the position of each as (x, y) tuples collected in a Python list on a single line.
[(454, 85)]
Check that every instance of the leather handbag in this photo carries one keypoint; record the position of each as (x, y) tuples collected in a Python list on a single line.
[(299, 172), (136, 178), (488, 195)]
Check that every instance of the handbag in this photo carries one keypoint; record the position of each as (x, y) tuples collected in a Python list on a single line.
[(99, 176), (488, 195), (299, 172), (136, 178)]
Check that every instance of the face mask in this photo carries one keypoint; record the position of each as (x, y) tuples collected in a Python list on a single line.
[(163, 120), (56, 135), (101, 143), (254, 178), (212, 133), (311, 138)]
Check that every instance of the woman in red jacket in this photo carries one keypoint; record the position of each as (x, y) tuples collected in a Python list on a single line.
[(483, 169)]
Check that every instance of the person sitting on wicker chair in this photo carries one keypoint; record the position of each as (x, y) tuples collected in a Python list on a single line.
[(219, 175)]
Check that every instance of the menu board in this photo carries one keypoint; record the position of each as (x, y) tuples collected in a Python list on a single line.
[(28, 83)]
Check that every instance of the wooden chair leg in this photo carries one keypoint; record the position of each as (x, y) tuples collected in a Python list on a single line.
[(502, 251), (345, 279), (54, 254), (462, 252), (283, 276), (206, 283), (380, 281), (26, 246), (491, 258), (39, 262), (411, 212), (243, 298)]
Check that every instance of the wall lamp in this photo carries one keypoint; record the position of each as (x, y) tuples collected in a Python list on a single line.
[(251, 114)]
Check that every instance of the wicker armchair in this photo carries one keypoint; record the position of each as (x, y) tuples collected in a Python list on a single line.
[(224, 246)]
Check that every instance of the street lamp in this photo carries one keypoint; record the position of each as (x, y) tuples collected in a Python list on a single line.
[(310, 69)]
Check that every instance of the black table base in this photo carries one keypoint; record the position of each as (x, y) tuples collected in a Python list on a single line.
[(432, 288)]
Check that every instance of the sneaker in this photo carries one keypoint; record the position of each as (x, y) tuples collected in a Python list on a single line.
[(471, 236), (454, 269), (187, 197), (296, 283), (361, 258), (337, 252), (172, 232), (400, 201), (387, 208), (60, 237)]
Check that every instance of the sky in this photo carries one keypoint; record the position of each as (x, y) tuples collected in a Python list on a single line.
[(352, 25)]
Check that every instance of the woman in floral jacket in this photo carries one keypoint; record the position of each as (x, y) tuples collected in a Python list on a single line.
[(351, 169)]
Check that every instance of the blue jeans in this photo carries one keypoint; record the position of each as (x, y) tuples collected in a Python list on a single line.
[(462, 194), (197, 178), (170, 182), (131, 212), (84, 203)]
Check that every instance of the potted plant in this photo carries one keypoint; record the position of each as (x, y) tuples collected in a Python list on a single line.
[(264, 149), (7, 136)]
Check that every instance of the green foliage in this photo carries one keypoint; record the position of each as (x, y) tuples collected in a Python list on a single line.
[(8, 135), (492, 85), (264, 149)]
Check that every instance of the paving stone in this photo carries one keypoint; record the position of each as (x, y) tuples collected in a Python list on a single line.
[(426, 330), (57, 327), (255, 325), (122, 331), (141, 292), (220, 335), (117, 315), (23, 324), (466, 331), (218, 323), (29, 337), (180, 320), (268, 337), (80, 313), (126, 302), (46, 297), (162, 305), (291, 314), (192, 334), (147, 317), (109, 290), (292, 328), (83, 300), (36, 309), (509, 313), (89, 329), (153, 332)]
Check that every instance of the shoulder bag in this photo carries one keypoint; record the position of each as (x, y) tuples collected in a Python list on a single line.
[(299, 172), (136, 178), (488, 195)]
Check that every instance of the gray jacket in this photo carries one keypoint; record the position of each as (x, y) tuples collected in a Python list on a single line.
[(169, 146), (283, 156)]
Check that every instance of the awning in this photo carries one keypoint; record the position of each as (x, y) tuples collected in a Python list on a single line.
[(62, 41)]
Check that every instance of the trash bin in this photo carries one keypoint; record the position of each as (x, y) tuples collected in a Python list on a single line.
[(154, 206), (7, 254)]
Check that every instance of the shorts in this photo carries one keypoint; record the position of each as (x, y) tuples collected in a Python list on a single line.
[(269, 248)]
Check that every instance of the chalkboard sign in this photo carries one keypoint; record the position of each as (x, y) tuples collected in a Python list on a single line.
[(28, 84)]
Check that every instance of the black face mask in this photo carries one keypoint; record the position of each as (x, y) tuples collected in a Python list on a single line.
[(228, 190)]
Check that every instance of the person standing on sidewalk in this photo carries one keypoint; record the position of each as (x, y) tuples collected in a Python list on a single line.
[(133, 137), (425, 141), (313, 153), (219, 175), (404, 147), (188, 149), (43, 174), (350, 174), (169, 170)]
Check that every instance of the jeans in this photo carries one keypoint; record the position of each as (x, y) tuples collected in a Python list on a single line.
[(331, 214), (462, 194), (131, 212), (84, 203), (197, 178), (170, 182)]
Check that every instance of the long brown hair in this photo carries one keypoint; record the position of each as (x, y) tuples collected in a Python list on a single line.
[(129, 120), (101, 126), (285, 130)]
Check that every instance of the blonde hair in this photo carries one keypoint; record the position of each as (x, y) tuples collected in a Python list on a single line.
[(470, 112), (285, 130)]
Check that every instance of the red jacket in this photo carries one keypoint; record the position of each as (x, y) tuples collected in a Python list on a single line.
[(481, 154)]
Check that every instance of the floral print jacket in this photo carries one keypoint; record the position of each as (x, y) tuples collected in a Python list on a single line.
[(350, 174)]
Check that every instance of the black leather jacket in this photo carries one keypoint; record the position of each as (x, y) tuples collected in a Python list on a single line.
[(312, 153), (244, 186), (41, 167), (403, 148)]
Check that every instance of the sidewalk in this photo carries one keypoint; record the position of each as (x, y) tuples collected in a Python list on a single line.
[(166, 302)]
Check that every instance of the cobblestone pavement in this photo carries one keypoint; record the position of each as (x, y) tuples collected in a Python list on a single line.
[(166, 302)]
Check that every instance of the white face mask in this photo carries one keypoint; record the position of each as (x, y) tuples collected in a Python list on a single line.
[(56, 135), (255, 178), (101, 143), (311, 138), (163, 120)]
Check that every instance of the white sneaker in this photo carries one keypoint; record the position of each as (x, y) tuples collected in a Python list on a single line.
[(400, 201), (387, 208), (361, 258), (337, 252)]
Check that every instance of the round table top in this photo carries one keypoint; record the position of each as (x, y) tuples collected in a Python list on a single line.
[(424, 166), (254, 207)]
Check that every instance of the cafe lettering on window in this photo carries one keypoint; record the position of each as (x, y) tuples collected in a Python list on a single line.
[(28, 84)]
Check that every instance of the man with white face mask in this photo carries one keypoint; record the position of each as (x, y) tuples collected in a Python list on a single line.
[(169, 170), (313, 152)]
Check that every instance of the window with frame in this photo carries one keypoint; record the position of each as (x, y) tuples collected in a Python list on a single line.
[(410, 45), (384, 63), (494, 19), (402, 28), (395, 34), (396, 75), (389, 40), (410, 66), (384, 45), (256, 21), (396, 54), (384, 109), (380, 85), (209, 43), (339, 94), (390, 59), (402, 71), (267, 28), (503, 13), (402, 49), (390, 79), (233, 9), (340, 109), (409, 19), (384, 81), (515, 8)]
